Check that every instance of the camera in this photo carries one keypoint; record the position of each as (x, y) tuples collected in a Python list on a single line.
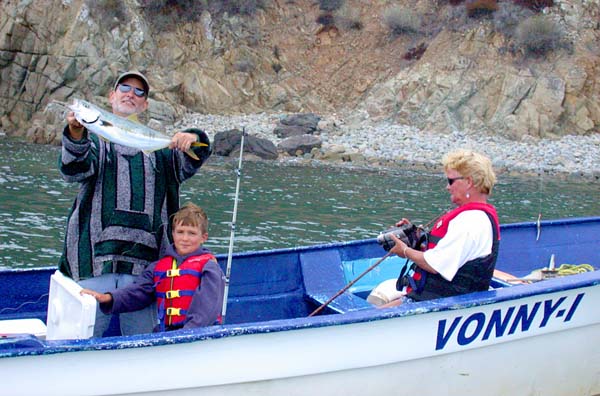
[(407, 233)]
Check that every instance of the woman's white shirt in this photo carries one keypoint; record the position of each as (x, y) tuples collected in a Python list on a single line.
[(469, 237)]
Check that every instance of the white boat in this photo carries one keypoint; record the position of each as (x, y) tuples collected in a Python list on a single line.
[(540, 338)]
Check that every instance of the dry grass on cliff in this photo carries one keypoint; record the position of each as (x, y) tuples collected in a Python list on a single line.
[(168, 14), (334, 49), (539, 35)]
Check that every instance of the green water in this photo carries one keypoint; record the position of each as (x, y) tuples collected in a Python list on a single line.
[(280, 205)]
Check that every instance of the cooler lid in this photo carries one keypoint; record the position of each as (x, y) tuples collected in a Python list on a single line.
[(70, 315)]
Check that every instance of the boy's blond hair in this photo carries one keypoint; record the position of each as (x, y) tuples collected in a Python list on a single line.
[(191, 215)]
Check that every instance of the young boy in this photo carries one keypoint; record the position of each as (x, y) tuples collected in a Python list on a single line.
[(187, 283)]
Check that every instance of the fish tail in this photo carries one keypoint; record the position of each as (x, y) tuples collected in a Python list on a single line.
[(192, 154), (58, 103)]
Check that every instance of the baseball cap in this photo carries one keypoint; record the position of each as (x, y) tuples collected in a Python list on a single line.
[(134, 74)]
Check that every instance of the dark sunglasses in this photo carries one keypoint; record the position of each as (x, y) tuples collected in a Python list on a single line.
[(453, 179), (139, 92)]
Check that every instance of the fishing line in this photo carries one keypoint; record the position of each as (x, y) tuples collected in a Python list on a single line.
[(540, 194), (3, 310)]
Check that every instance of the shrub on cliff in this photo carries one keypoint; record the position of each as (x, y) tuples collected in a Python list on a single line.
[(535, 5), (348, 18), (507, 18), (326, 19), (330, 5), (244, 7), (111, 12), (539, 35), (401, 20), (165, 14), (480, 8)]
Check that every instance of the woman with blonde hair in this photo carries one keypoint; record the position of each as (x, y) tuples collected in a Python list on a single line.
[(462, 246)]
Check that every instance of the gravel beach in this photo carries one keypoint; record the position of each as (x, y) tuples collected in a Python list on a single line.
[(384, 144)]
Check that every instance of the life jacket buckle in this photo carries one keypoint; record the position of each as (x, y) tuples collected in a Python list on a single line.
[(173, 311), (173, 294), (171, 273)]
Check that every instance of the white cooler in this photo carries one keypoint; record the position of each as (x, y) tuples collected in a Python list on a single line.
[(70, 315)]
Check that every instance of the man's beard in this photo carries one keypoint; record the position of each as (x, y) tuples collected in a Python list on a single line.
[(126, 109)]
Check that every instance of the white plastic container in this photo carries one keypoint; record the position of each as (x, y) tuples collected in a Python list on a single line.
[(70, 315), (23, 326)]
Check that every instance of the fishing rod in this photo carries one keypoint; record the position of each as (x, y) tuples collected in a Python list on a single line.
[(233, 220), (423, 228), (349, 285), (538, 223)]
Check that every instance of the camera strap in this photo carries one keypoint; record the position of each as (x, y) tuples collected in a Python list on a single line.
[(411, 279)]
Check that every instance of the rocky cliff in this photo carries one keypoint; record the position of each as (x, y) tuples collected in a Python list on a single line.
[(451, 71)]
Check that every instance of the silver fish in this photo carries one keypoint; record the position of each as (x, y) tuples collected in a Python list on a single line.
[(123, 131)]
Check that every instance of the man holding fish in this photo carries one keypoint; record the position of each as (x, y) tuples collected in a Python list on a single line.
[(129, 179)]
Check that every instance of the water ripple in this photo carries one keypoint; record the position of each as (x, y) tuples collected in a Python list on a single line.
[(280, 205)]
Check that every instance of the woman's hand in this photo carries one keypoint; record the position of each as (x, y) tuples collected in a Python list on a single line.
[(416, 256), (399, 246), (402, 222)]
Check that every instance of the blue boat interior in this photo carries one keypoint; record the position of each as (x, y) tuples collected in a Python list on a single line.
[(292, 283), (279, 285)]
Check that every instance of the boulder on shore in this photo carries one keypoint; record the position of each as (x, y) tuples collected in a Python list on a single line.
[(228, 142), (301, 144)]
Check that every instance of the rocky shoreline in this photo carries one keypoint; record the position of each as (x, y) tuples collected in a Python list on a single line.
[(383, 144)]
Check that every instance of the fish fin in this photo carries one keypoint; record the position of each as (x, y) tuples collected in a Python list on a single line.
[(134, 117), (192, 154), (198, 144)]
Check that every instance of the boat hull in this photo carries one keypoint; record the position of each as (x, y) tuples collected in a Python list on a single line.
[(526, 339), (539, 352)]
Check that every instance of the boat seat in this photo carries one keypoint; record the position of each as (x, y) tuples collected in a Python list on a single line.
[(323, 276), (503, 279)]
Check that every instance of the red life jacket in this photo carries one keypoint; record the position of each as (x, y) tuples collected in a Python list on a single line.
[(175, 286), (441, 226), (474, 275)]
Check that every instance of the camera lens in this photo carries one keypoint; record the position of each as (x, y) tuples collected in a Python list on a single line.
[(407, 233), (386, 241)]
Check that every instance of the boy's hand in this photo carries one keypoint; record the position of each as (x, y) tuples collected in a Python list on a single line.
[(102, 298)]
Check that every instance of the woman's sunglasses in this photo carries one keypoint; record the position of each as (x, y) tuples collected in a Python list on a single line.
[(453, 179), (139, 92)]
